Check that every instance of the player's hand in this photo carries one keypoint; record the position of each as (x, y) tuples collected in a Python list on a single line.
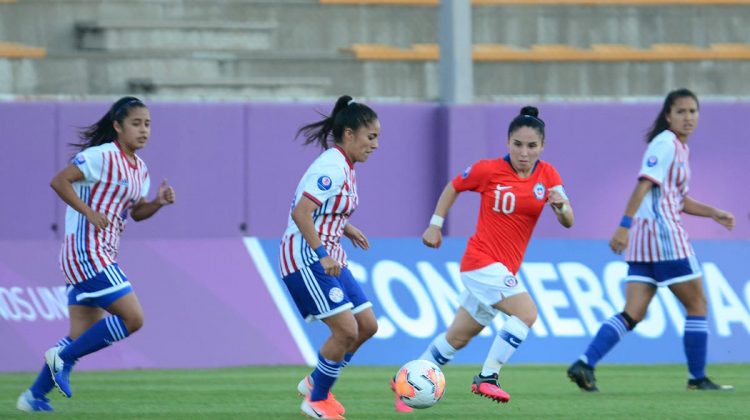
[(619, 240), (432, 237), (331, 266), (359, 240), (723, 218), (166, 194), (556, 200), (99, 220)]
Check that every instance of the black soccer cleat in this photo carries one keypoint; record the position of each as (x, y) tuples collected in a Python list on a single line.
[(583, 375), (705, 384)]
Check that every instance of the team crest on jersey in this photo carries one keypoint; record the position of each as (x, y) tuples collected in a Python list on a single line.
[(123, 182), (539, 190), (651, 161), (324, 183), (79, 160), (466, 172), (510, 281), (336, 295)]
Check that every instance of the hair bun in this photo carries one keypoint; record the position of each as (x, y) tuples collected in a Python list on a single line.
[(530, 110)]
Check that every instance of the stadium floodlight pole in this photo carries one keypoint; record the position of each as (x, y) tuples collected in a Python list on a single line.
[(456, 68)]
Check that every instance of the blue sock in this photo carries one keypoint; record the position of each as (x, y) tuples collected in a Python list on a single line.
[(43, 383), (100, 335), (324, 375), (695, 341), (347, 359), (609, 334)]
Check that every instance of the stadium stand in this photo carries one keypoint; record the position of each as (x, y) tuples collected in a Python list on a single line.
[(263, 49)]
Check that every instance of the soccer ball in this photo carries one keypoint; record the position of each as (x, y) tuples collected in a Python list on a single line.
[(420, 384)]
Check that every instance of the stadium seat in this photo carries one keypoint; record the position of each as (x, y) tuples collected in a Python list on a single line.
[(559, 52), (547, 2), (14, 50)]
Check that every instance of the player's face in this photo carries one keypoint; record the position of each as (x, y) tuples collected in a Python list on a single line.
[(683, 116), (135, 130), (525, 146), (360, 143)]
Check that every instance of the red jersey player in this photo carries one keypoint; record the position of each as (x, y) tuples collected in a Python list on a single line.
[(514, 190)]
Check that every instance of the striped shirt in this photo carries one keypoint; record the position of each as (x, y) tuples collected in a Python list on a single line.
[(111, 186), (657, 233), (331, 183)]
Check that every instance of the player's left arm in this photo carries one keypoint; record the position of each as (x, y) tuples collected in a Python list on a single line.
[(559, 202), (144, 209), (696, 208), (358, 238)]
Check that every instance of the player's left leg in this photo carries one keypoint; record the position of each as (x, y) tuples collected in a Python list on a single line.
[(522, 314), (695, 338), (127, 318)]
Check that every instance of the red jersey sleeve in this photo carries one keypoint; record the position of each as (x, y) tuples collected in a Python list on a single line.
[(473, 178), (553, 177)]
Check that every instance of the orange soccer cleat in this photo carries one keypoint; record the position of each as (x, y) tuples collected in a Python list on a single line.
[(305, 386), (322, 409)]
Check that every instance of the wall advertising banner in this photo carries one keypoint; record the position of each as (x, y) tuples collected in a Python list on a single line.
[(576, 285)]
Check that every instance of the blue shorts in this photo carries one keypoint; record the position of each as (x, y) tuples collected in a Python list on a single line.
[(101, 290), (664, 273), (319, 295)]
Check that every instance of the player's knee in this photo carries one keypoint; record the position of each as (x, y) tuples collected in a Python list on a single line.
[(630, 321), (367, 330), (133, 322), (697, 307), (346, 336)]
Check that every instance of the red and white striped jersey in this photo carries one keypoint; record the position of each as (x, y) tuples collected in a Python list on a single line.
[(331, 183), (657, 233), (111, 186)]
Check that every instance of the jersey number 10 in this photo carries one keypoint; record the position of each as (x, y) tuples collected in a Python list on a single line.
[(508, 200)]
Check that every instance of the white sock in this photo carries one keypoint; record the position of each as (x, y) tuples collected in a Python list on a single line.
[(439, 351), (506, 341)]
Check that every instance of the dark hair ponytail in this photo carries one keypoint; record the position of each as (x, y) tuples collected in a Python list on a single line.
[(660, 123), (528, 117), (103, 131), (346, 113)]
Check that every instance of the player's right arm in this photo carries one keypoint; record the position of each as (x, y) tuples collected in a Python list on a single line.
[(62, 183), (619, 240), (302, 216), (433, 236)]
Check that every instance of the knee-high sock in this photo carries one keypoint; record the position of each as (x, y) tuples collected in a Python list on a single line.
[(100, 335), (323, 377), (347, 359), (43, 383), (609, 334), (506, 342), (439, 351), (695, 341)]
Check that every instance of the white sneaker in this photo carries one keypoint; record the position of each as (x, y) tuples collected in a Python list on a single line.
[(60, 376), (27, 402)]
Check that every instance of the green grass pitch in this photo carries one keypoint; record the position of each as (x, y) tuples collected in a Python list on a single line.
[(269, 392)]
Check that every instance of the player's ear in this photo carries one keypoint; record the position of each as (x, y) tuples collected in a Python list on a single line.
[(348, 133)]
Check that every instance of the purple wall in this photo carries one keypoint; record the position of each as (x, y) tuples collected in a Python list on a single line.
[(238, 163)]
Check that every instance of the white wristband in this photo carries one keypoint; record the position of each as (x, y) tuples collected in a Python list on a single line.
[(437, 220)]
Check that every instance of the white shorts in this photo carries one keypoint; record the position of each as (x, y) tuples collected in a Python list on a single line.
[(486, 287)]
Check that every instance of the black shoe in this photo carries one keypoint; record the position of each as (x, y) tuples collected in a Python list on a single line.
[(583, 375), (705, 384)]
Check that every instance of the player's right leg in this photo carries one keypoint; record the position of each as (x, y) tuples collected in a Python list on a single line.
[(320, 296), (639, 291)]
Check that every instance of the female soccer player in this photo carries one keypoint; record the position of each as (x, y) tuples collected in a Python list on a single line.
[(513, 192), (660, 253), (312, 261), (102, 183)]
